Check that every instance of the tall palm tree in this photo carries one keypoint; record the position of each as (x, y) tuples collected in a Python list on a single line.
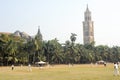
[(73, 38), (72, 52), (47, 50), (4, 38), (54, 51), (12, 50), (38, 46), (67, 53)]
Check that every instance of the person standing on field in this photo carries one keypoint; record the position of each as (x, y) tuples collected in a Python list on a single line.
[(116, 69), (29, 66), (12, 67)]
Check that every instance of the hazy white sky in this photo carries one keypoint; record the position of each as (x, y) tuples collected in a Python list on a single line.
[(59, 18)]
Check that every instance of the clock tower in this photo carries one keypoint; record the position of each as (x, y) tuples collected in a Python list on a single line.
[(88, 28)]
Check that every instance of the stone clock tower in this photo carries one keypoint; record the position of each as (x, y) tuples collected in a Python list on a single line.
[(88, 28)]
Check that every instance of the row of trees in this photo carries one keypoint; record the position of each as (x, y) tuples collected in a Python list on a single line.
[(15, 50)]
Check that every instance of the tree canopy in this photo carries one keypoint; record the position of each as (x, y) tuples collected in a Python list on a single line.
[(14, 50)]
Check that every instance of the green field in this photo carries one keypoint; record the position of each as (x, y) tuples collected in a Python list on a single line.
[(60, 72)]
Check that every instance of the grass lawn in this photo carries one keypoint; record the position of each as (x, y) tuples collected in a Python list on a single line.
[(60, 72)]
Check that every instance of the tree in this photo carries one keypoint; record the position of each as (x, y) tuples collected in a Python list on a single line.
[(72, 48), (55, 51), (67, 52), (38, 47), (47, 50), (12, 50), (4, 38), (73, 38)]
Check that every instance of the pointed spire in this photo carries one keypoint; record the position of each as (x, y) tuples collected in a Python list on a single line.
[(87, 9), (39, 35), (38, 29), (87, 5)]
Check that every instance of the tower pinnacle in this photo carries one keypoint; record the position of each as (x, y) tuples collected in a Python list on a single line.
[(87, 7), (38, 29), (39, 35)]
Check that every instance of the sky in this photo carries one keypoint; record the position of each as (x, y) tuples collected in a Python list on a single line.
[(59, 18)]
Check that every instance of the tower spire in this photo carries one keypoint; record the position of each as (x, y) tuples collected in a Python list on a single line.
[(87, 9), (38, 29), (87, 6), (39, 35)]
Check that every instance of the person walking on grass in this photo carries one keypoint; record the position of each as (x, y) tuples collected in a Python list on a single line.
[(116, 69), (12, 67), (29, 66)]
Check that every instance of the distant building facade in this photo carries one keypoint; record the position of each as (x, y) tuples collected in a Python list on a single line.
[(24, 35), (18, 33), (88, 28)]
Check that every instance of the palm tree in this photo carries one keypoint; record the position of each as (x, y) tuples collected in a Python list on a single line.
[(79, 52), (55, 51), (47, 50), (12, 49), (2, 51), (29, 50), (67, 50), (4, 38), (38, 46), (72, 52), (57, 56), (73, 38)]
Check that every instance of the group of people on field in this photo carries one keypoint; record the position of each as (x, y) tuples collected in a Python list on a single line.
[(116, 68), (29, 67)]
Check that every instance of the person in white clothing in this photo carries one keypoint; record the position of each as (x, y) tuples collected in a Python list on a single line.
[(116, 69), (12, 67), (29, 66)]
